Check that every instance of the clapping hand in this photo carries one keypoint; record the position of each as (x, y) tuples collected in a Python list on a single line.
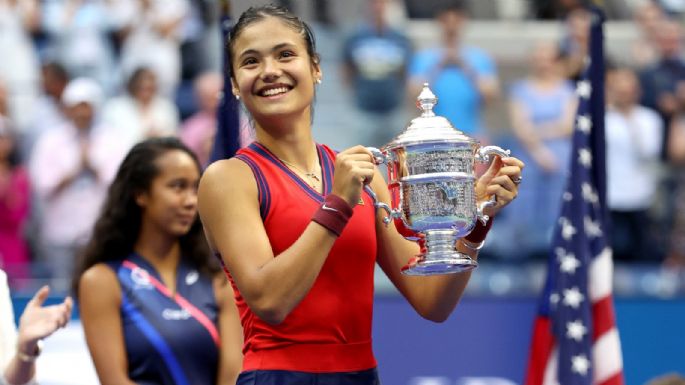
[(38, 321)]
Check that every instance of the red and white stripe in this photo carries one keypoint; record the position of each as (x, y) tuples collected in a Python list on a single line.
[(607, 361)]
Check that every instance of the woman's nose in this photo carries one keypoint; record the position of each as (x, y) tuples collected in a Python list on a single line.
[(190, 199), (271, 71)]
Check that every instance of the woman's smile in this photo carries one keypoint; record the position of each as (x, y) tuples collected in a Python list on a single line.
[(274, 91)]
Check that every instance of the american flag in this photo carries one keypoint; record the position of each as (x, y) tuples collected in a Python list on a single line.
[(575, 339)]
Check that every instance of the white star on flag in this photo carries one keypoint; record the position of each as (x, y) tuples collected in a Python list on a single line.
[(567, 229), (584, 89), (576, 330), (580, 364), (569, 262), (573, 297), (592, 229), (567, 196), (584, 123), (585, 157), (589, 193)]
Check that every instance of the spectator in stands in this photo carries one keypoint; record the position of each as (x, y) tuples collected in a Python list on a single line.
[(152, 39), (142, 112), (541, 109), (200, 38), (48, 111), (14, 204), (19, 349), (198, 131), (79, 34), (648, 16), (70, 168), (633, 135), (663, 83), (463, 77), (676, 155), (375, 61), (575, 43), (19, 63)]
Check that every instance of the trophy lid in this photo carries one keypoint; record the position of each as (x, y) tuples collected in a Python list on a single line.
[(429, 127)]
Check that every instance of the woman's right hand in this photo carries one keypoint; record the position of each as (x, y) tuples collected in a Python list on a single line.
[(354, 168), (38, 321)]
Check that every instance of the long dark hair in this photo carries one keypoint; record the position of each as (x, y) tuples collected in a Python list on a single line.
[(118, 225), (255, 14)]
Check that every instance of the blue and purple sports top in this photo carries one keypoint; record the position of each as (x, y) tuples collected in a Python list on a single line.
[(170, 339)]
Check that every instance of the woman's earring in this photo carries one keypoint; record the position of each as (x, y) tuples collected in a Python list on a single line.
[(237, 97), (318, 80)]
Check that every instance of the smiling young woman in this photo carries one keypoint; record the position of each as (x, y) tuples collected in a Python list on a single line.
[(301, 255)]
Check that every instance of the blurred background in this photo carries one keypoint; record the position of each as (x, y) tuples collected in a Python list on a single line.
[(503, 71)]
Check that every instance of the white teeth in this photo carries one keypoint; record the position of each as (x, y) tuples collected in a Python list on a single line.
[(275, 91)]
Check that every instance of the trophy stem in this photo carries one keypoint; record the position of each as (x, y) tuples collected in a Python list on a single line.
[(441, 257)]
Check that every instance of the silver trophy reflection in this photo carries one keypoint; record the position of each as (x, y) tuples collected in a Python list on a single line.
[(431, 178)]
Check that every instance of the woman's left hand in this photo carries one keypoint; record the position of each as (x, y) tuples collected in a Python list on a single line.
[(501, 180)]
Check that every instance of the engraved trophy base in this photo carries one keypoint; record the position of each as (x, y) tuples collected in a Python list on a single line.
[(440, 257)]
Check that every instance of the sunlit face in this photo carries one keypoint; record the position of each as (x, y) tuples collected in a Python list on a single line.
[(273, 73), (170, 204)]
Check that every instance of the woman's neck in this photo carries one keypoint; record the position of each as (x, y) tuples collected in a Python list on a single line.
[(161, 250), (292, 142)]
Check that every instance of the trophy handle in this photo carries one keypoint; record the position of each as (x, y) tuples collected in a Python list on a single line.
[(483, 155), (378, 156), (380, 205)]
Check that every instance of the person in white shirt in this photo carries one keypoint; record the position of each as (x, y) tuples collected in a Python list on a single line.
[(634, 138), (142, 112), (20, 348), (70, 169)]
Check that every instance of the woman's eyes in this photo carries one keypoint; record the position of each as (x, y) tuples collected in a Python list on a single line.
[(287, 54), (251, 61)]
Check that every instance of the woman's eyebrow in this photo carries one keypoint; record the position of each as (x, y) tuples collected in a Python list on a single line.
[(277, 47)]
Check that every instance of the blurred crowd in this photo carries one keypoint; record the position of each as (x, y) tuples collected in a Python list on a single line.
[(81, 81)]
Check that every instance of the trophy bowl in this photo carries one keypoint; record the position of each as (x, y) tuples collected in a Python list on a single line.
[(431, 177)]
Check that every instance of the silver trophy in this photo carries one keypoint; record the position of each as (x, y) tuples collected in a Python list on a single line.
[(431, 178)]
